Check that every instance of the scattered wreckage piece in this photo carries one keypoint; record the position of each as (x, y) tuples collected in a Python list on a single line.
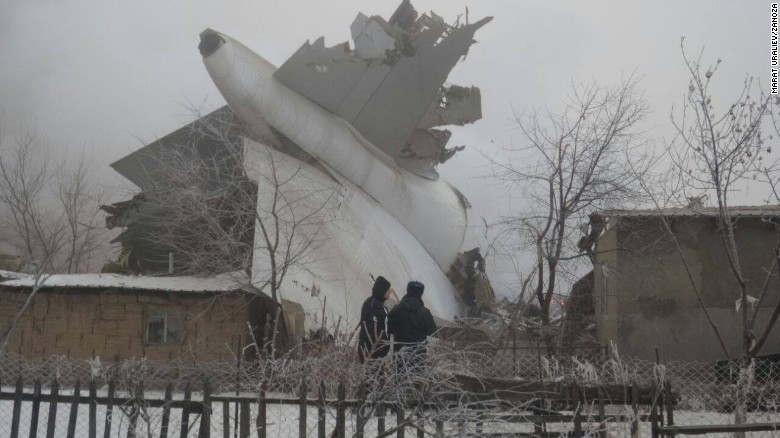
[(391, 86), (468, 276)]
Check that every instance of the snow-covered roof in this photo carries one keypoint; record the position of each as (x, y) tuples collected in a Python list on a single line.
[(748, 211), (10, 275), (220, 283)]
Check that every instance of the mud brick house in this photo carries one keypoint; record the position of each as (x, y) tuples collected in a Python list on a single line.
[(116, 316), (643, 294)]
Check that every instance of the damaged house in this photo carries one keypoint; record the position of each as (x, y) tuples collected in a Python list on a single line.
[(642, 292), (117, 317), (331, 164)]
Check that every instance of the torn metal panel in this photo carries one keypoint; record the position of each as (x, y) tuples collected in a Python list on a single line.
[(404, 16), (392, 83), (372, 40), (426, 144), (425, 150), (455, 105), (405, 96), (325, 75)]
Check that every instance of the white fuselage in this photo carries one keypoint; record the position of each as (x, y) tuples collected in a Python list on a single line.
[(393, 213)]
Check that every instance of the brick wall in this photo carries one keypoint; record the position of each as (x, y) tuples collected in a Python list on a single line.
[(82, 324)]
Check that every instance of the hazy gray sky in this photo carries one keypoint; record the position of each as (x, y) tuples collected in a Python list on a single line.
[(101, 74)]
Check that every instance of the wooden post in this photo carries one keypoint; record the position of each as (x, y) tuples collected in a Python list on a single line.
[(74, 410), (225, 419), (514, 350), (654, 420), (669, 402), (578, 399), (17, 407), (205, 417), (260, 424), (635, 410), (55, 389), (302, 410), (166, 416), (136, 409), (381, 411), (244, 419), (602, 414), (35, 409), (109, 409), (360, 422), (185, 412), (92, 409), (399, 415), (321, 411), (341, 411), (537, 426), (240, 351)]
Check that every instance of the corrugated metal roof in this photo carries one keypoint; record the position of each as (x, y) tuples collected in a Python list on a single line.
[(221, 283), (747, 211)]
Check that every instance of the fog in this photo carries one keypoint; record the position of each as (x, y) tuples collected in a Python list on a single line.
[(109, 76)]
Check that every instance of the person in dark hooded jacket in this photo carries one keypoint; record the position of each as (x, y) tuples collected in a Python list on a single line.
[(410, 323), (373, 322)]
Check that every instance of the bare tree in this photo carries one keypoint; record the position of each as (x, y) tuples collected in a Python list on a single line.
[(49, 217), (569, 164), (718, 151), (79, 200)]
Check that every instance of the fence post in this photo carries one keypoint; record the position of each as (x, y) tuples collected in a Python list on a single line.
[(243, 422), (537, 426), (399, 415), (166, 416), (55, 389), (669, 401), (381, 411), (654, 420), (92, 409), (138, 400), (341, 411), (260, 423), (602, 413), (321, 411), (185, 412), (109, 409), (302, 410), (17, 408), (578, 399), (225, 418), (635, 409), (74, 409), (514, 350), (205, 417), (35, 409), (360, 421)]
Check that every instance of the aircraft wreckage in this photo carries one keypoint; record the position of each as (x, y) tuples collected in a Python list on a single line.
[(360, 122)]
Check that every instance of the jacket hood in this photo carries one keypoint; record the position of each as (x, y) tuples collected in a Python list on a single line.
[(410, 303), (381, 286)]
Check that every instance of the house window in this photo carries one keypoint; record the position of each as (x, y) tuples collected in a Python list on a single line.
[(163, 326)]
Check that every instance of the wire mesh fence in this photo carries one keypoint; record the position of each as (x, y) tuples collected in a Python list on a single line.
[(475, 391)]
